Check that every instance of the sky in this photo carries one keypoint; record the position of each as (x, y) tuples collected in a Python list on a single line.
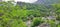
[(27, 1)]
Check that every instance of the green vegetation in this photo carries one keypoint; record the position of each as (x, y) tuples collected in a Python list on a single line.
[(18, 15), (36, 22)]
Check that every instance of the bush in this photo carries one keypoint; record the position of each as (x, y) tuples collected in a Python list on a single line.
[(36, 22)]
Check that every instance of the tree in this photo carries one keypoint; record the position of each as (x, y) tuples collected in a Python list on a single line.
[(10, 15), (37, 21), (57, 10)]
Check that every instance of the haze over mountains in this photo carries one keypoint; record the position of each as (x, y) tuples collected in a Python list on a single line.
[(47, 2), (39, 1)]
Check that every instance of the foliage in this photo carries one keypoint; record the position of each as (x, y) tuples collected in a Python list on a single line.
[(17, 15), (36, 22), (10, 15), (57, 10)]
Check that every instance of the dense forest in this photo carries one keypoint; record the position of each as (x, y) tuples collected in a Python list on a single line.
[(29, 15)]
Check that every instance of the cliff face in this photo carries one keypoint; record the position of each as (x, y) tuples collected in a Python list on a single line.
[(47, 2)]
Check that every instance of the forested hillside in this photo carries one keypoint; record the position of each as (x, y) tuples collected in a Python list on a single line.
[(29, 15)]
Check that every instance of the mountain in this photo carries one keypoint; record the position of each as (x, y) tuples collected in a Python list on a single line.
[(47, 2)]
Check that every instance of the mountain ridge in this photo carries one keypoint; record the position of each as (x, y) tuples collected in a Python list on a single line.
[(46, 2)]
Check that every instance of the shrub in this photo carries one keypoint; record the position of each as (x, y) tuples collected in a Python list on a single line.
[(36, 22)]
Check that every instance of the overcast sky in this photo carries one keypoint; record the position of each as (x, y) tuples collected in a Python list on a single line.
[(28, 1)]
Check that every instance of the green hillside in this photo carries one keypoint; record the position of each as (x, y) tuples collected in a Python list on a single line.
[(29, 15)]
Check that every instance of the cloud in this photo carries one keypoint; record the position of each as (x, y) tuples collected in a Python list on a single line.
[(28, 1)]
